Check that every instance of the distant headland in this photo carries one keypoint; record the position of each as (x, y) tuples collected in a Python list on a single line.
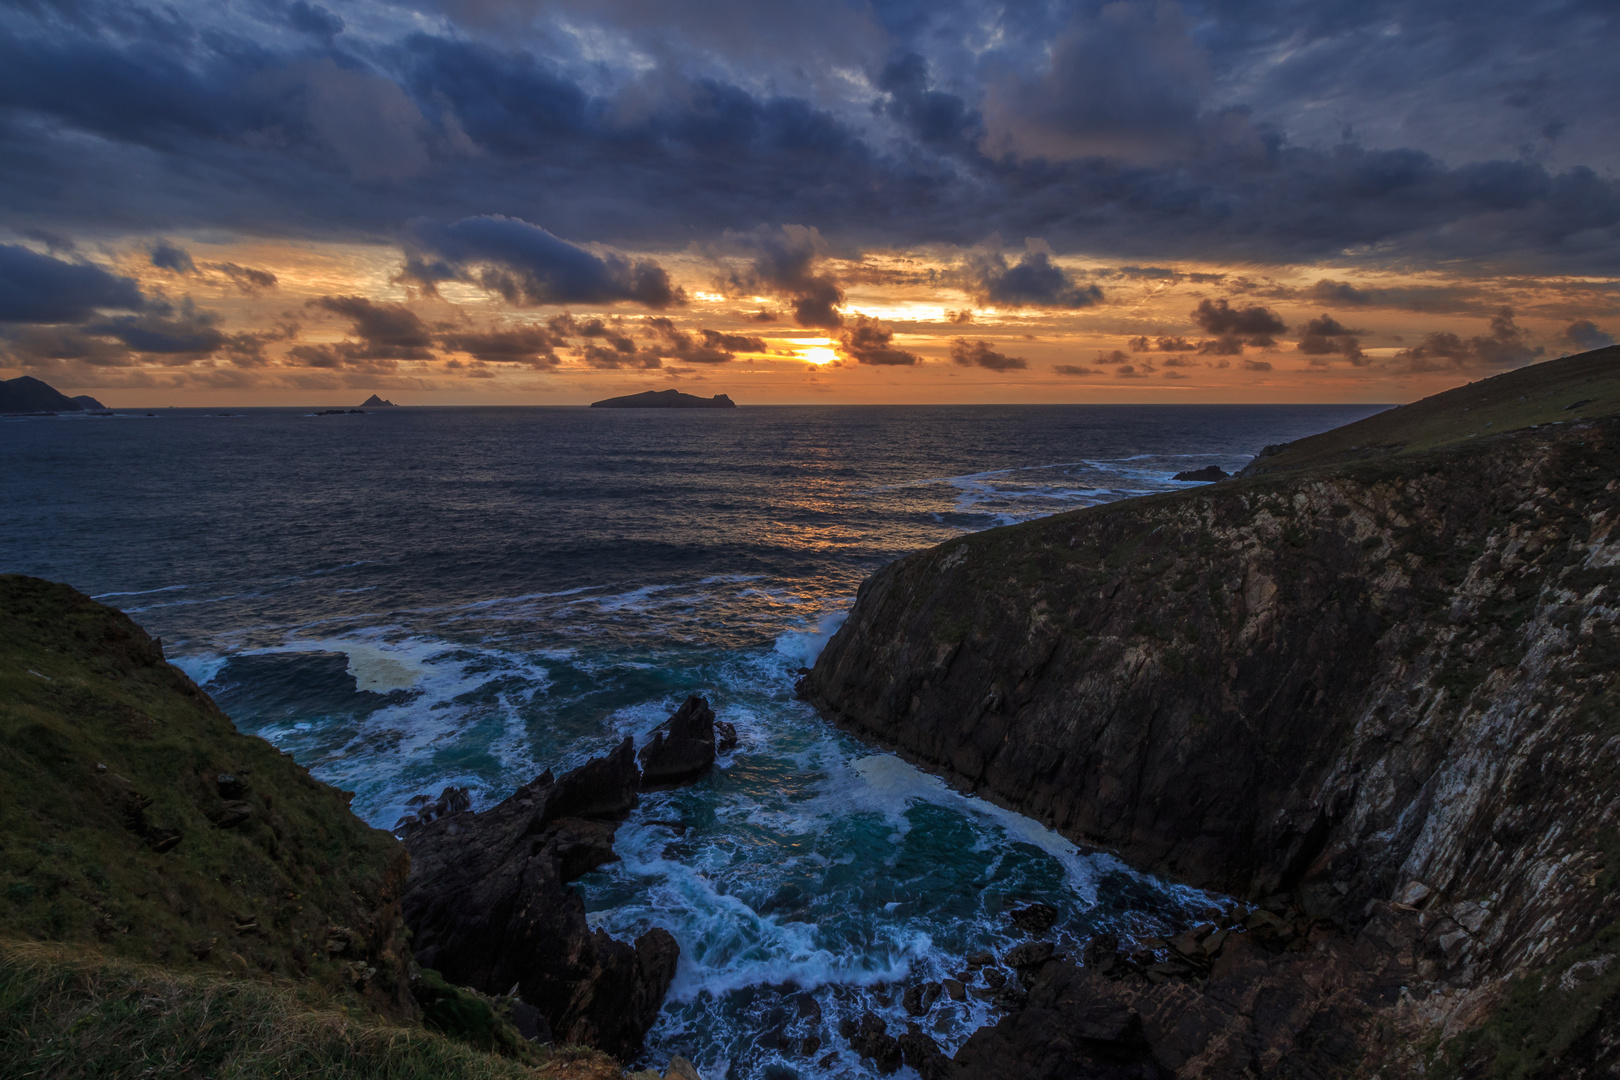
[(26, 394), (665, 399), (375, 402)]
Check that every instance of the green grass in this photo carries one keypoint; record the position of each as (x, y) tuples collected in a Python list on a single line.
[(1530, 396), (69, 1011), (95, 723)]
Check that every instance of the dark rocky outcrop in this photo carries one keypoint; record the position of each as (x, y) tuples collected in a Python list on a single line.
[(375, 402), (1208, 474), (488, 902), (665, 399), (683, 747), (88, 403), (1382, 682)]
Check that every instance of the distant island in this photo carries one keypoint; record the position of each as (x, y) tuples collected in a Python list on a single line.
[(375, 402), (665, 399), (26, 394)]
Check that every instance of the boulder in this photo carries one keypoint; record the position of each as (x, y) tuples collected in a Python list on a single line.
[(488, 904), (682, 748)]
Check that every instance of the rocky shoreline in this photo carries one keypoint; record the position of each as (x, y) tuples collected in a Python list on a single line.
[(488, 902), (1362, 698)]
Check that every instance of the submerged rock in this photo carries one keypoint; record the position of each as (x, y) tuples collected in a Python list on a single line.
[(488, 903)]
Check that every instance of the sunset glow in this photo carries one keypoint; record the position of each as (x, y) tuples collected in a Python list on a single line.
[(933, 229)]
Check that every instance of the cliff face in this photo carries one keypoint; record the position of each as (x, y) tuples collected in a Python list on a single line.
[(1393, 679)]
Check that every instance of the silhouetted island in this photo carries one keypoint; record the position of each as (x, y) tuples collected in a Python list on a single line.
[(375, 402), (26, 394), (665, 399)]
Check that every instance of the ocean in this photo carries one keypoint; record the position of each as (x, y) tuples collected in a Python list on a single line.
[(409, 598)]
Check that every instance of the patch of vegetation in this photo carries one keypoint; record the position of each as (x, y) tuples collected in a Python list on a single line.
[(116, 830), (1533, 395), (75, 1012), (1544, 1016)]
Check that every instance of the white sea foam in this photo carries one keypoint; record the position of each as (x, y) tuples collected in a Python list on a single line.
[(805, 645)]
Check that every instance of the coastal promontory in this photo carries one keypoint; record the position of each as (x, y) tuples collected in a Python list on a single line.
[(665, 399), (1370, 689)]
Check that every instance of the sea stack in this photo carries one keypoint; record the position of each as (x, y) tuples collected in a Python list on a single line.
[(375, 402)]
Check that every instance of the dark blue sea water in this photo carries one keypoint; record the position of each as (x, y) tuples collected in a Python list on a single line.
[(413, 598)]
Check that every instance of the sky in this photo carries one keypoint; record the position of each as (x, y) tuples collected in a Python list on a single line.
[(282, 202)]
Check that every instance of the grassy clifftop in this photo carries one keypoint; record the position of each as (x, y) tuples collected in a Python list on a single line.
[(1581, 387), (177, 896), (117, 830)]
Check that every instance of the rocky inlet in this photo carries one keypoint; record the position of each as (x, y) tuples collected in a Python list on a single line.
[(488, 901)]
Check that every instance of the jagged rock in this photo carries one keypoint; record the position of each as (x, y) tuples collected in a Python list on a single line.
[(1030, 954), (869, 1038), (920, 997), (681, 1069), (488, 904), (955, 988), (1209, 474), (232, 814), (682, 749), (725, 736), (921, 1052), (1036, 918)]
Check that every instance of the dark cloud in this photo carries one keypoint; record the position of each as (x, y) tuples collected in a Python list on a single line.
[(959, 318), (527, 265), (313, 19), (1255, 324), (1073, 369), (705, 347), (1506, 346), (1124, 83), (868, 341), (1256, 365), (1034, 281), (534, 346), (245, 278), (1225, 345), (386, 332), (166, 256), (182, 331), (1326, 336), (1585, 335), (1130, 130), (36, 288), (981, 354), (934, 117), (1169, 344), (1439, 299), (785, 264)]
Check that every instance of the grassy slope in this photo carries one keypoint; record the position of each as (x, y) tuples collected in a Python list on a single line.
[(241, 919), (1528, 397), (73, 1012), (91, 719)]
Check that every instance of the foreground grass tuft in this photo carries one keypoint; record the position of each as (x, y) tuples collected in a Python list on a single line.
[(72, 1012)]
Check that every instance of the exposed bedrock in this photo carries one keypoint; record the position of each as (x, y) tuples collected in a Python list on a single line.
[(488, 902), (682, 748), (1388, 680)]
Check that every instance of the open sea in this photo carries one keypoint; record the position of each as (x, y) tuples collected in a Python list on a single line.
[(417, 597)]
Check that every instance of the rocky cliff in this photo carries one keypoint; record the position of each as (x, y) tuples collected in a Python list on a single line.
[(1378, 696)]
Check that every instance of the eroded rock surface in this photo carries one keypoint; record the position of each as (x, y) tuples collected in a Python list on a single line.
[(488, 902), (683, 747), (1392, 679)]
